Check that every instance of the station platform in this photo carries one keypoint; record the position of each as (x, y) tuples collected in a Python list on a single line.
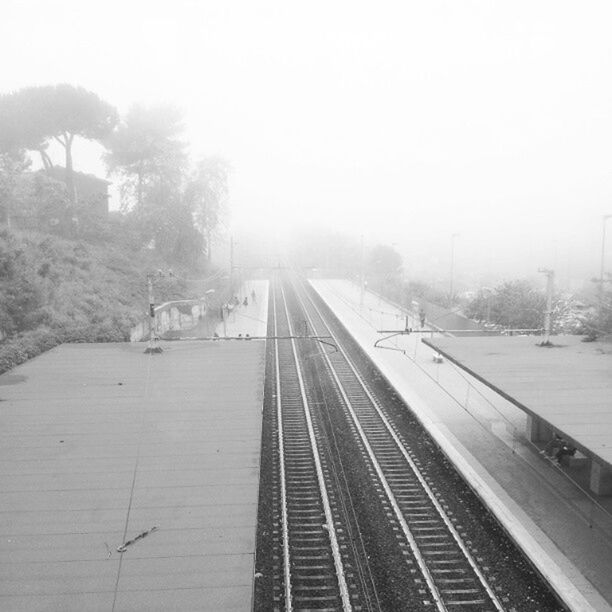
[(239, 321), (564, 530), (565, 388), (101, 446), (250, 318)]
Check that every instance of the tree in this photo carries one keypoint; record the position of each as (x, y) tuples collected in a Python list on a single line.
[(384, 267), (513, 304), (35, 115), (18, 131), (146, 153), (597, 321), (416, 290), (13, 163), (206, 196)]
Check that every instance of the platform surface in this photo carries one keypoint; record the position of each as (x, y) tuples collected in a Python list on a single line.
[(567, 533), (569, 385), (250, 318), (100, 443)]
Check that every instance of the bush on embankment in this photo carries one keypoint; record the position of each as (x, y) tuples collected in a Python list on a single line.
[(54, 290)]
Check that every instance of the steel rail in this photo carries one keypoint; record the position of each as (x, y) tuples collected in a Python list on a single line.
[(416, 549), (329, 520), (281, 447), (385, 484)]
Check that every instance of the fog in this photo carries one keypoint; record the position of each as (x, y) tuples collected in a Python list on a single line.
[(404, 122)]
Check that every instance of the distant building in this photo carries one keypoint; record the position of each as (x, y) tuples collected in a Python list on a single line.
[(91, 191)]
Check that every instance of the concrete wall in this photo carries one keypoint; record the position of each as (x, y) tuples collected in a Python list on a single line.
[(168, 317)]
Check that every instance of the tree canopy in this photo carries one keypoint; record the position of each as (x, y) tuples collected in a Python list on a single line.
[(206, 194), (167, 203), (31, 117), (177, 210), (384, 263), (513, 304), (146, 152)]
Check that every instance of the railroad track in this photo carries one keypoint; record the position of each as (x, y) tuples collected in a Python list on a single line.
[(425, 528), (363, 516), (316, 568)]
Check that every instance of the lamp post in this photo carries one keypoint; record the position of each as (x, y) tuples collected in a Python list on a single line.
[(361, 273), (550, 287), (231, 262), (603, 255), (452, 269), (488, 292)]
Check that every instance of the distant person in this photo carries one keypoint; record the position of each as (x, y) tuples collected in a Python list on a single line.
[(253, 296), (554, 445), (422, 317), (246, 301), (565, 450)]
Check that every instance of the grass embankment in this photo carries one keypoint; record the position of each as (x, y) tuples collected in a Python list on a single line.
[(54, 290)]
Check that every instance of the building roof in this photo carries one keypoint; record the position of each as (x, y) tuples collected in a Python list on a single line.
[(101, 443), (59, 173), (568, 385)]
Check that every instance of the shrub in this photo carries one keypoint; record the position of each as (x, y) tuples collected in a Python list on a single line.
[(26, 345)]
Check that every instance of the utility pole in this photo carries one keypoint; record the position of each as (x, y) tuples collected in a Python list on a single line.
[(602, 262), (489, 294), (231, 262), (550, 286), (452, 269), (152, 347), (361, 274)]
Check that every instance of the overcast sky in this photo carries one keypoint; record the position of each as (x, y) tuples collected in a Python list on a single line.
[(406, 121)]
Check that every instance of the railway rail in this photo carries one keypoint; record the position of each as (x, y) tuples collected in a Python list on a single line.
[(450, 572), (316, 573), (322, 551)]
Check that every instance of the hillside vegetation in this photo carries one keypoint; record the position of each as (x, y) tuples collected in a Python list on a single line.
[(54, 290), (70, 270)]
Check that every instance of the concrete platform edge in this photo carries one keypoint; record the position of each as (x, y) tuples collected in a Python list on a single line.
[(520, 527)]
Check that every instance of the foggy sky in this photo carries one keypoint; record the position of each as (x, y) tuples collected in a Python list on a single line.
[(403, 121)]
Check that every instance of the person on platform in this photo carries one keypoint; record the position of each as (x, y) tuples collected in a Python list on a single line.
[(565, 450), (554, 445), (422, 316)]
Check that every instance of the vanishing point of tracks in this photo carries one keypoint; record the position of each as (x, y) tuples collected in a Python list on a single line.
[(321, 551)]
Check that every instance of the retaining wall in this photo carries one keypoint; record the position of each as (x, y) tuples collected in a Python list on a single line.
[(170, 316)]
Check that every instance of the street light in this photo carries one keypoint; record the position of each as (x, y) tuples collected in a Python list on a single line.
[(361, 274), (550, 285), (452, 269), (488, 292), (603, 255)]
